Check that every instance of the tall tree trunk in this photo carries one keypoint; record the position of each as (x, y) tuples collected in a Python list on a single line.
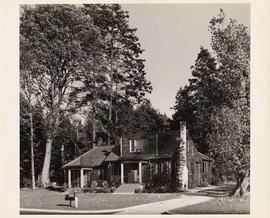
[(45, 179), (111, 89), (94, 132), (241, 186), (94, 125), (32, 150)]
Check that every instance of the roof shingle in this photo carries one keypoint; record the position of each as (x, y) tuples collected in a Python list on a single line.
[(92, 158)]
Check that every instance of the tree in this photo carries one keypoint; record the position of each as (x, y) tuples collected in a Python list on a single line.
[(216, 100), (147, 119), (61, 40), (229, 145), (196, 101), (26, 127), (230, 140), (27, 90), (127, 82), (39, 140)]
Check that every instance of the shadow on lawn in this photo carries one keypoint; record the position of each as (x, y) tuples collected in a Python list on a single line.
[(62, 205), (218, 191)]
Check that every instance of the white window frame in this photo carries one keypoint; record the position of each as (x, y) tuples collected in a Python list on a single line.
[(143, 149), (130, 145)]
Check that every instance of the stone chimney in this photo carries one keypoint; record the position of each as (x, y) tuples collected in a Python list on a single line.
[(181, 160)]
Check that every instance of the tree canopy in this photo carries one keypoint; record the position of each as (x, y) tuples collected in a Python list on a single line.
[(83, 62), (215, 103)]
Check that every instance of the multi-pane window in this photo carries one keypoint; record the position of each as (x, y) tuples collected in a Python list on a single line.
[(137, 145), (132, 145), (204, 167)]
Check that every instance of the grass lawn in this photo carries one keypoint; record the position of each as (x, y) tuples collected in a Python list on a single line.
[(223, 205), (45, 199)]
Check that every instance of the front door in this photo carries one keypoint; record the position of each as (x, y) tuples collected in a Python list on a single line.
[(131, 173)]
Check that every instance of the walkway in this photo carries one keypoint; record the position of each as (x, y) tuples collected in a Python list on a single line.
[(193, 196), (164, 206)]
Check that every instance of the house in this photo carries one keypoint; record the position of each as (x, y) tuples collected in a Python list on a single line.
[(144, 159)]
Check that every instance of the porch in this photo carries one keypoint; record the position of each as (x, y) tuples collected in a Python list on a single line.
[(116, 173), (133, 171), (80, 177)]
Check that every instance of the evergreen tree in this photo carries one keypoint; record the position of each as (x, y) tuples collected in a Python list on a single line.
[(125, 69)]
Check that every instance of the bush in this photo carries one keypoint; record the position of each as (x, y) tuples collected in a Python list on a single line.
[(94, 185), (105, 183), (139, 189), (107, 190), (89, 190), (215, 180), (25, 183), (161, 179), (113, 188), (162, 189), (116, 181), (103, 190), (204, 181)]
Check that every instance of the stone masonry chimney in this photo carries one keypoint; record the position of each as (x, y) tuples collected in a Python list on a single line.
[(181, 160)]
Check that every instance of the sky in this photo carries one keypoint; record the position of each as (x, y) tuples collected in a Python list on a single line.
[(171, 35)]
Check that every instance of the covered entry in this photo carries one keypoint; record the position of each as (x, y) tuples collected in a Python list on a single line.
[(133, 171), (78, 178), (86, 168)]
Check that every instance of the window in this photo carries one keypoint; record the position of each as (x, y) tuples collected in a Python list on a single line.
[(137, 145), (132, 145), (145, 144), (204, 167)]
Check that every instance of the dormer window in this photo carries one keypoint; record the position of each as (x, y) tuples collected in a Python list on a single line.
[(137, 145)]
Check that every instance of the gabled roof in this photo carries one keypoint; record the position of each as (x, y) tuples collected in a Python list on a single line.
[(112, 157), (166, 149), (92, 158)]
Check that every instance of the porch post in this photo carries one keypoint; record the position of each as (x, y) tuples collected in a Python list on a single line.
[(122, 173), (69, 178), (140, 172), (81, 178)]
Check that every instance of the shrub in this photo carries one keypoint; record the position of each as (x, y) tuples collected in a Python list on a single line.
[(116, 181), (99, 190), (161, 179), (215, 180), (107, 190), (105, 183), (89, 190), (103, 190), (204, 181), (162, 189), (25, 183), (94, 185), (140, 189), (113, 188)]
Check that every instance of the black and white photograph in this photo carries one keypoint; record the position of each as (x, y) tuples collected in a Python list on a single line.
[(134, 109)]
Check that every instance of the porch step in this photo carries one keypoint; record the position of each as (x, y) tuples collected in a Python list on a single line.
[(128, 188)]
